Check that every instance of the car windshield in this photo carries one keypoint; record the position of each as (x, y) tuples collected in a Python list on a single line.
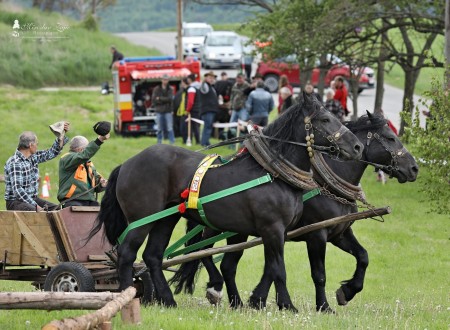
[(221, 41), (196, 32)]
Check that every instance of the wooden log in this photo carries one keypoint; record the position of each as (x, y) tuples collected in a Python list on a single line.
[(297, 232), (92, 320), (55, 300), (131, 313)]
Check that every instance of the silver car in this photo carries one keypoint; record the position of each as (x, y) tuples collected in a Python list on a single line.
[(221, 49)]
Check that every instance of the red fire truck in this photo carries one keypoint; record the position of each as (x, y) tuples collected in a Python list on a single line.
[(133, 82)]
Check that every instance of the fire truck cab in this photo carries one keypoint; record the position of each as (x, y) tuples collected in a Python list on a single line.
[(133, 82)]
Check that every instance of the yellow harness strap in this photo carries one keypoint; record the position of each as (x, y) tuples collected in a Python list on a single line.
[(194, 189)]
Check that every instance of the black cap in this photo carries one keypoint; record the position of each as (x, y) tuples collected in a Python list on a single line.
[(102, 128)]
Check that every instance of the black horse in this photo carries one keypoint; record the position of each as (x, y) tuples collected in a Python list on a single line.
[(152, 181), (383, 150)]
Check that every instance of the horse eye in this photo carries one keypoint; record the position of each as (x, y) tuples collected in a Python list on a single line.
[(325, 120)]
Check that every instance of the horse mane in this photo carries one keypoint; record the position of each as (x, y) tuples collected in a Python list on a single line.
[(366, 122), (290, 125)]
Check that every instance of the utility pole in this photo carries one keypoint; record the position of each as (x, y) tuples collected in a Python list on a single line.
[(179, 26), (447, 44)]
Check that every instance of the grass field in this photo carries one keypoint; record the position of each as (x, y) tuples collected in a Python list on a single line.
[(406, 286)]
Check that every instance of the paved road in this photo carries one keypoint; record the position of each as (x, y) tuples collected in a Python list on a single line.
[(165, 43)]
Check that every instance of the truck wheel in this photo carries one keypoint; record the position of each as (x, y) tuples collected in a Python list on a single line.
[(145, 288), (69, 277), (271, 81)]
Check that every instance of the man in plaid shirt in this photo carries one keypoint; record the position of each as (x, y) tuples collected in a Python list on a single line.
[(22, 172)]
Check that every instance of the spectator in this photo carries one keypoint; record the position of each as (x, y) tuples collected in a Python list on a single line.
[(259, 104), (210, 106), (78, 178), (193, 105), (179, 108), (334, 106), (238, 98), (284, 82), (223, 89), (341, 93), (247, 60), (22, 172), (257, 77), (288, 101), (309, 89), (116, 56), (162, 101)]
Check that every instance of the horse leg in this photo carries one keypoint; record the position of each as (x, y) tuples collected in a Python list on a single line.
[(214, 287), (350, 288), (274, 271), (316, 244), (158, 240), (228, 268), (126, 255)]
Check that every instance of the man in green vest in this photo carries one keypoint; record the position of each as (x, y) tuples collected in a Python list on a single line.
[(78, 178)]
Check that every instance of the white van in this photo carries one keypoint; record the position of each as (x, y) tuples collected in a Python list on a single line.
[(193, 35), (221, 49)]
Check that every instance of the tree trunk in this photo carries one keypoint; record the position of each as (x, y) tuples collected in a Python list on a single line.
[(408, 97), (48, 5), (379, 92), (447, 44), (354, 86)]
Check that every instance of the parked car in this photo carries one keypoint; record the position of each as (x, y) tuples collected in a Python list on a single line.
[(193, 35), (221, 49), (272, 70)]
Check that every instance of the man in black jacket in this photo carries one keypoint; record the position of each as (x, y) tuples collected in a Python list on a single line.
[(210, 106), (117, 56)]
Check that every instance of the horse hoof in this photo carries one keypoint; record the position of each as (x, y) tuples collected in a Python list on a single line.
[(257, 303), (288, 307), (214, 297), (325, 310), (340, 296)]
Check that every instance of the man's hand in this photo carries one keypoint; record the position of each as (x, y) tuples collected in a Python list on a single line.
[(103, 138), (66, 126), (103, 182), (39, 209)]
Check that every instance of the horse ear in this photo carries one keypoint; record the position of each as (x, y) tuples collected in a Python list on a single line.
[(369, 114)]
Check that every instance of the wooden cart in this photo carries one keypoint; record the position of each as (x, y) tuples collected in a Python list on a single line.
[(50, 250)]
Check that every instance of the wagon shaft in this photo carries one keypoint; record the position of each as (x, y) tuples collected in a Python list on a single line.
[(297, 232)]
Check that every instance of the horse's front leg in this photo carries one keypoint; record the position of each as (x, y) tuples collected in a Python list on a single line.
[(350, 288), (158, 240), (228, 268), (316, 243), (274, 271), (126, 255)]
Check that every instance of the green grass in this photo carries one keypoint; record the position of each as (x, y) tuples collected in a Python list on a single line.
[(82, 59), (407, 280)]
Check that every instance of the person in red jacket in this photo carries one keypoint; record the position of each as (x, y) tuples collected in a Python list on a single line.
[(341, 93)]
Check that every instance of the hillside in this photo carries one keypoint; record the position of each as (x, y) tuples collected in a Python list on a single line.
[(54, 50)]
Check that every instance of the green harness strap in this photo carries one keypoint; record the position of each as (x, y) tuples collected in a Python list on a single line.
[(170, 252), (206, 199)]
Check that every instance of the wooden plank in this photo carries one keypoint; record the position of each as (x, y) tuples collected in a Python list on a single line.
[(85, 208), (34, 241), (101, 257), (60, 226)]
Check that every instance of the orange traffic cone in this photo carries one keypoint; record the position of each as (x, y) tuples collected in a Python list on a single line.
[(47, 178), (45, 193)]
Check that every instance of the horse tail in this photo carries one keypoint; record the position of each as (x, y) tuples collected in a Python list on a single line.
[(187, 273), (110, 214)]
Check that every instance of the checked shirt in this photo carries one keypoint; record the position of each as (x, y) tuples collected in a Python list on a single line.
[(22, 174)]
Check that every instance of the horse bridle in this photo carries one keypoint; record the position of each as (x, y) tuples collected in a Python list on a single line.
[(333, 138), (395, 154)]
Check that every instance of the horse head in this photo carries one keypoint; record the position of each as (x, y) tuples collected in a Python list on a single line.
[(309, 121), (383, 148)]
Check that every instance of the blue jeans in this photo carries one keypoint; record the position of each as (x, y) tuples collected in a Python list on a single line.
[(208, 118), (165, 123), (241, 114)]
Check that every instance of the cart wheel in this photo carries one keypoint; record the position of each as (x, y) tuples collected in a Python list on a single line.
[(145, 288), (69, 277)]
